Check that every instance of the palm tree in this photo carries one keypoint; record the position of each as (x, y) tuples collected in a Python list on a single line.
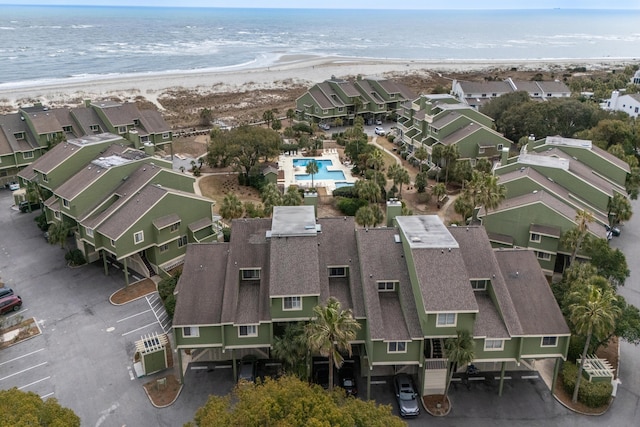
[(399, 175), (312, 169), (291, 348), (271, 197), (365, 216), (291, 114), (438, 191), (594, 314), (464, 206), (330, 332), (421, 154), (58, 232), (458, 351), (231, 207), (583, 219), (292, 197), (375, 160), (450, 155), (368, 190), (493, 193), (619, 209)]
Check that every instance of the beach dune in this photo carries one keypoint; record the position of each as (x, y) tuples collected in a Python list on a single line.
[(288, 70)]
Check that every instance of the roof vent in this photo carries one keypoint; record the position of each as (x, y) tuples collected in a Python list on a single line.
[(396, 238), (416, 239)]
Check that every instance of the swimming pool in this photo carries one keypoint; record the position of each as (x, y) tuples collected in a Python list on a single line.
[(323, 173)]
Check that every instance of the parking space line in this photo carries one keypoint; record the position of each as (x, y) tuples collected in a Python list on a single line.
[(46, 395), (498, 377), (20, 357), (132, 316), (530, 377), (35, 382), (137, 329), (24, 370)]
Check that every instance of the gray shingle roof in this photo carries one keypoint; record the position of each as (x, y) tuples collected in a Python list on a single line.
[(165, 221), (118, 114), (535, 304), (292, 274), (201, 285)]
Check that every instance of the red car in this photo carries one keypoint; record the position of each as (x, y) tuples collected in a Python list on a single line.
[(10, 303)]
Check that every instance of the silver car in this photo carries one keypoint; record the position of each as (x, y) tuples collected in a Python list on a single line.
[(406, 396)]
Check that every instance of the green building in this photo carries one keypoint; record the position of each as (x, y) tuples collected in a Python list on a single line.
[(430, 120), (27, 134), (547, 184), (370, 97), (410, 287), (122, 204)]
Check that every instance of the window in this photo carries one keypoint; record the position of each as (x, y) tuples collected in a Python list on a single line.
[(19, 136), (397, 347), (535, 237), (493, 345), (113, 243), (248, 331), (549, 342), (122, 129), (191, 331), (337, 272), (500, 147), (45, 178), (543, 256), (144, 138), (481, 150), (182, 241), (479, 284), (28, 154), (136, 122), (67, 129), (164, 248), (494, 94), (175, 227), (166, 135), (138, 237), (292, 303), (65, 203), (89, 232), (251, 274), (56, 214), (386, 286), (446, 319), (94, 128)]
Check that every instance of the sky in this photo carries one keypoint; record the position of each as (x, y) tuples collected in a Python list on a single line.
[(352, 4)]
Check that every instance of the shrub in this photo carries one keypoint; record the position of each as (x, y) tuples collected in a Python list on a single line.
[(391, 138), (593, 395), (41, 221), (170, 305), (75, 257), (167, 286), (349, 207), (576, 345), (226, 234), (348, 191)]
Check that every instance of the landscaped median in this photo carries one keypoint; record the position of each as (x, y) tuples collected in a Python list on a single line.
[(18, 330)]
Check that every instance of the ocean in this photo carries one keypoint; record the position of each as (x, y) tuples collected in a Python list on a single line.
[(48, 44)]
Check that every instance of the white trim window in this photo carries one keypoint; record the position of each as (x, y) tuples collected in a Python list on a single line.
[(549, 342), (292, 303), (113, 243), (387, 286), (122, 130), (56, 214), (250, 273), (543, 256), (248, 331), (191, 332), (89, 231), (65, 203), (493, 345), (397, 347), (138, 237), (174, 227), (337, 271), (479, 284), (182, 241), (445, 320), (27, 154), (535, 237), (166, 135), (164, 248)]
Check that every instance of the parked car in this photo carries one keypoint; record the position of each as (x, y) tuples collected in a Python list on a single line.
[(26, 206), (13, 186), (348, 381), (615, 231), (10, 303), (5, 292), (248, 369), (324, 126), (379, 131), (378, 122), (406, 396)]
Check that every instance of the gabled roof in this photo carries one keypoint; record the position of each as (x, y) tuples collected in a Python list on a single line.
[(153, 122), (488, 87), (393, 314), (201, 285), (531, 294), (118, 114), (44, 121), (322, 100), (86, 117), (12, 124)]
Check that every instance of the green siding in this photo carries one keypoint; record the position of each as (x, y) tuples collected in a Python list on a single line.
[(381, 355), (510, 351), (209, 335), (308, 303), (464, 321), (533, 346), (231, 338)]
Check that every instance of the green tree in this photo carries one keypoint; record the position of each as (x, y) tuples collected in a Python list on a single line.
[(499, 105), (619, 209), (276, 124), (368, 190), (268, 117), (289, 402), (438, 191), (610, 262), (206, 117), (464, 206), (493, 193), (421, 154), (231, 207), (399, 175), (421, 182), (292, 197), (58, 232), (459, 352), (583, 219), (271, 196), (312, 169), (19, 408), (330, 332), (292, 348), (242, 148), (449, 155), (33, 193), (291, 114), (594, 314), (365, 216)]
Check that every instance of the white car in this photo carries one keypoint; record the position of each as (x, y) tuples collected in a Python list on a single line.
[(13, 186), (378, 122), (379, 131)]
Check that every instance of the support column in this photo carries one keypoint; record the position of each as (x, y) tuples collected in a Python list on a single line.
[(368, 380), (180, 366), (104, 263), (126, 272), (504, 365), (235, 367), (556, 370)]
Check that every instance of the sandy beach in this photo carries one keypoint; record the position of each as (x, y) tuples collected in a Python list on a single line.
[(287, 71)]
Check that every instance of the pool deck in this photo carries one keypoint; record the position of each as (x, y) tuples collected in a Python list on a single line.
[(285, 163)]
